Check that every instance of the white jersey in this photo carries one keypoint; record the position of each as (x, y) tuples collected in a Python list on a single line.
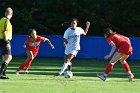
[(73, 38)]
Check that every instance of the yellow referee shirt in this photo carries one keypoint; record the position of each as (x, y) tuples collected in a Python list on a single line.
[(5, 25)]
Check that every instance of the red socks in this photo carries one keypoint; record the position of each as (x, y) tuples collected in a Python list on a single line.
[(28, 63), (126, 67), (109, 68), (25, 65), (22, 67)]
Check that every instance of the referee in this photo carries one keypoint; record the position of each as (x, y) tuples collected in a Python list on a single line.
[(5, 37)]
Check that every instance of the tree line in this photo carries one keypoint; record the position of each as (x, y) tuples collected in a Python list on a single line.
[(52, 16)]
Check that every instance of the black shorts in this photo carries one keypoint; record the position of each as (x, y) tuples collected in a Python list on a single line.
[(4, 49)]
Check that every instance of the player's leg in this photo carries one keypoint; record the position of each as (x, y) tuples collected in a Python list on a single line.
[(117, 56), (26, 63), (126, 67), (9, 57), (6, 58), (69, 55), (21, 67), (5, 61), (67, 62), (68, 59), (31, 56), (74, 53)]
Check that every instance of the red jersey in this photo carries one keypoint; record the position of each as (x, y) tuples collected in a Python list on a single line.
[(33, 45), (118, 40), (121, 42)]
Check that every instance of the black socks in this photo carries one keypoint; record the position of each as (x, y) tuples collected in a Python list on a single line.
[(69, 67), (3, 68)]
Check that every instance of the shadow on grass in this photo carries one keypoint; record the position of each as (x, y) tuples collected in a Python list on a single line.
[(81, 67)]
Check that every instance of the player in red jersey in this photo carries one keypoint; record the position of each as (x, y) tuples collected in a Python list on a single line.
[(124, 50), (32, 47)]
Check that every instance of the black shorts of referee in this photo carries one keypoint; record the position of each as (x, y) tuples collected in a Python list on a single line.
[(5, 47)]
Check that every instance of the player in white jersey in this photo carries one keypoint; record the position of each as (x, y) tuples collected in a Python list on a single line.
[(72, 43)]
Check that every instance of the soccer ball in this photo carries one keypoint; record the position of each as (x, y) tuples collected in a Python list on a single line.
[(68, 74)]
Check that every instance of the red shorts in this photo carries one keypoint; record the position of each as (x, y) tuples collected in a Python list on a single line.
[(34, 52), (125, 49)]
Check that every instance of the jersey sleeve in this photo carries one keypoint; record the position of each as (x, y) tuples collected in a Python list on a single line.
[(42, 39), (6, 24), (81, 31), (66, 34), (27, 41), (109, 40)]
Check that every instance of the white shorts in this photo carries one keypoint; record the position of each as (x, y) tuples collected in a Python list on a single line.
[(68, 52)]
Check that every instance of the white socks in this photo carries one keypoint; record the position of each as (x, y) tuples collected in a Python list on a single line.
[(105, 75), (64, 67), (69, 63)]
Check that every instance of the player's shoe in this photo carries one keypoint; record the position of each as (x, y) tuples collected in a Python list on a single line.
[(17, 72), (26, 72), (130, 77), (3, 77), (102, 77)]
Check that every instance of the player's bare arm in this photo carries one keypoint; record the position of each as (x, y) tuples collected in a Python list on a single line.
[(4, 35), (87, 28), (65, 42), (112, 50), (6, 40), (25, 45), (49, 42)]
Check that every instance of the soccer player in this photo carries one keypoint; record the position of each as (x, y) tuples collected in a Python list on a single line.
[(5, 37), (124, 50), (72, 43), (32, 47)]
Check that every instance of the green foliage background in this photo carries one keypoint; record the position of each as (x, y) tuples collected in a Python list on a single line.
[(47, 16)]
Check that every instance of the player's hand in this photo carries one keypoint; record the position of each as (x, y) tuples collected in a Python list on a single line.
[(52, 46), (24, 46), (87, 23), (8, 46), (107, 57), (65, 45)]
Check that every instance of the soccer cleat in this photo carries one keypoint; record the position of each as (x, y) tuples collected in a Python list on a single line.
[(17, 72), (3, 77), (26, 71), (130, 77), (102, 77)]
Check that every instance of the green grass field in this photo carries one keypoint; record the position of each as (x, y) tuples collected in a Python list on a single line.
[(41, 80)]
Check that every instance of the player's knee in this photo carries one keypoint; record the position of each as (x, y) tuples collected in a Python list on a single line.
[(122, 61), (112, 63), (67, 60), (32, 58), (8, 58)]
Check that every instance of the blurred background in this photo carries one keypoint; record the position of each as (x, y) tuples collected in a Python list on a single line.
[(51, 17)]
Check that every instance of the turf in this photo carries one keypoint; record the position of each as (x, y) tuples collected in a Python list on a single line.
[(41, 79)]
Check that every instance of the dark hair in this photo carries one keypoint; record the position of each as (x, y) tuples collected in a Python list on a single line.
[(30, 31), (73, 19), (109, 32)]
